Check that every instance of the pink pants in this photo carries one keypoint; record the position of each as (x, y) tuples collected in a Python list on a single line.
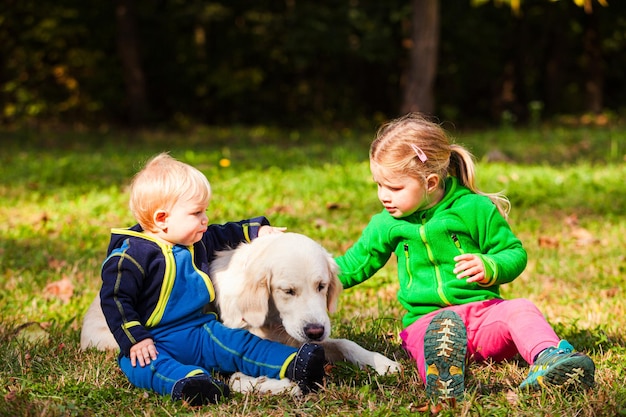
[(496, 329)]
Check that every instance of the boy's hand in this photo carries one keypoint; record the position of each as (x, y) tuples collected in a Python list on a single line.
[(469, 266), (143, 352), (268, 230)]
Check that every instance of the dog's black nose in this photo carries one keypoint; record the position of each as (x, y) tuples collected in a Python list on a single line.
[(314, 331)]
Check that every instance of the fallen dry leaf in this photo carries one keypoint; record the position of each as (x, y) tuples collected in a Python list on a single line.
[(280, 209), (320, 223), (571, 220), (548, 242), (31, 333), (10, 396), (512, 397), (56, 264), (583, 237), (423, 408), (336, 206), (328, 368), (62, 289)]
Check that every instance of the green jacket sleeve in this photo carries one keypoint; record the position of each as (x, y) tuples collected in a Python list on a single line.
[(503, 255), (369, 254)]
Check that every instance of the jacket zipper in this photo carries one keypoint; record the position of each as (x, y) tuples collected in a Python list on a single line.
[(437, 271), (455, 239), (408, 264), (205, 277), (166, 287)]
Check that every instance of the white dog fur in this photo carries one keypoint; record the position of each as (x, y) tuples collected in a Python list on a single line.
[(279, 287)]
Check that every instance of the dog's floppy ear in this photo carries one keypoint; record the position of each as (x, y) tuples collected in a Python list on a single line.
[(335, 287), (254, 299)]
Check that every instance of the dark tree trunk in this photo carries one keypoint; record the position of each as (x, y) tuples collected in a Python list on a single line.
[(128, 50), (420, 75), (594, 84), (556, 50)]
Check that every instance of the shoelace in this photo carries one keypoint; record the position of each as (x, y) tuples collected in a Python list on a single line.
[(553, 354)]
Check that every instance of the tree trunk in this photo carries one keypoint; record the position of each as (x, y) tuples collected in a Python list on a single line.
[(128, 50), (556, 50), (594, 84), (419, 77)]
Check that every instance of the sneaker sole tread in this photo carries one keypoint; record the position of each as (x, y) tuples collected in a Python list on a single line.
[(445, 347)]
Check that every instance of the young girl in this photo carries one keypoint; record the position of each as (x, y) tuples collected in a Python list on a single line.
[(454, 249), (155, 286)]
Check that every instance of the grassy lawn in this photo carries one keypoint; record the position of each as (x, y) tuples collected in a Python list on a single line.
[(61, 192)]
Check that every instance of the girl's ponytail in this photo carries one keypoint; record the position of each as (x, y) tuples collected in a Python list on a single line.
[(462, 167)]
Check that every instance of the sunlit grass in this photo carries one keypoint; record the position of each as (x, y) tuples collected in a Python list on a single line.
[(60, 194)]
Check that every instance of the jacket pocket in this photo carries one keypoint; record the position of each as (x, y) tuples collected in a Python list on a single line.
[(457, 243)]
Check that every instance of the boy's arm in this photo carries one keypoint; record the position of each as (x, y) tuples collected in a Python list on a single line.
[(230, 235), (121, 280)]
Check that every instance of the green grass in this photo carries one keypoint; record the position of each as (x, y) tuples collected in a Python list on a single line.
[(61, 192)]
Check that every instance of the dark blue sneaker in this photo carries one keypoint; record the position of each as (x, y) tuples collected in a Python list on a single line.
[(307, 367), (445, 346), (561, 366), (199, 390)]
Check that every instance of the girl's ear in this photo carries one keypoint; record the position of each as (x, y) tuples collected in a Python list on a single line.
[(432, 182)]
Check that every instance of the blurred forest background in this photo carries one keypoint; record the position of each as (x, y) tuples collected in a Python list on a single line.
[(176, 63)]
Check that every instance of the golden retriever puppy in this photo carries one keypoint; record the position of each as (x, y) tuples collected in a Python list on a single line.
[(282, 287), (95, 331)]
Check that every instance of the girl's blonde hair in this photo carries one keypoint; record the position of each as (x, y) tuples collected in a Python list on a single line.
[(161, 184), (415, 146)]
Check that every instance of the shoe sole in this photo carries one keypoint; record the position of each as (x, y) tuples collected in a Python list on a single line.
[(445, 346), (198, 392), (574, 372)]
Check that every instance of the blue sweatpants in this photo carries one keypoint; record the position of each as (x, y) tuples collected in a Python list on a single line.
[(205, 348)]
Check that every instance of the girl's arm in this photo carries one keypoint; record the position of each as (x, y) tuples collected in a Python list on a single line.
[(369, 254), (501, 252)]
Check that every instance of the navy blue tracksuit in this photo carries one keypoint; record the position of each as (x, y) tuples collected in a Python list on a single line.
[(154, 290)]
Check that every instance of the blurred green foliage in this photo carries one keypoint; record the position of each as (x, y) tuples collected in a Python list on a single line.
[(291, 63)]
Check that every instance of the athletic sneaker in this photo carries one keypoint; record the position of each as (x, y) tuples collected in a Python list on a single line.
[(445, 346), (199, 390), (307, 368), (560, 366)]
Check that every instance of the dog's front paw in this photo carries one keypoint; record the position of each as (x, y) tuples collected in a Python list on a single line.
[(243, 383), (383, 365)]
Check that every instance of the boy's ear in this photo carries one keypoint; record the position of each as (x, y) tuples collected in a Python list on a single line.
[(160, 219)]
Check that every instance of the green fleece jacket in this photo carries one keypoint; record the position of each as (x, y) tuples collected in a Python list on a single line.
[(426, 243)]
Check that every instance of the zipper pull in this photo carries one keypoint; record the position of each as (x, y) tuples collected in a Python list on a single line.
[(456, 241)]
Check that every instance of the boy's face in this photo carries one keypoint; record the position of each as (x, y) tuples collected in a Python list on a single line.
[(186, 222)]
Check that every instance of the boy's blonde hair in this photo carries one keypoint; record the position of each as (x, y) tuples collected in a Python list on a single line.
[(163, 182), (415, 146)]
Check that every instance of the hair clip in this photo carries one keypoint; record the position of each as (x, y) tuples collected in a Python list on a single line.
[(420, 153)]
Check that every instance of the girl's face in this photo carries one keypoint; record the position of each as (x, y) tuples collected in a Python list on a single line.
[(185, 223), (401, 195)]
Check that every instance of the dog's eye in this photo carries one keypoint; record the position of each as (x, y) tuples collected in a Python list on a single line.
[(321, 287), (289, 291)]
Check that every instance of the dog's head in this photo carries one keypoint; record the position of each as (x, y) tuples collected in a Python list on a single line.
[(290, 282)]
